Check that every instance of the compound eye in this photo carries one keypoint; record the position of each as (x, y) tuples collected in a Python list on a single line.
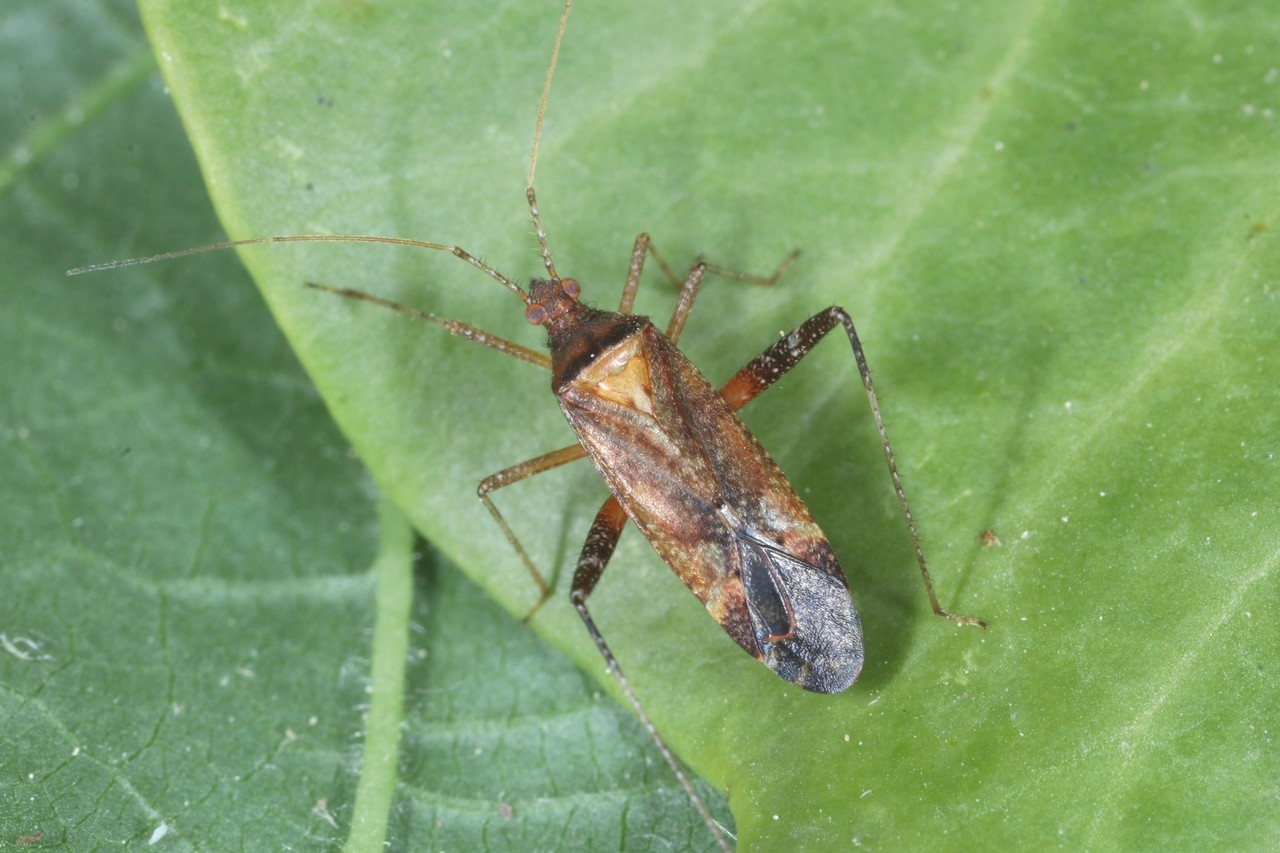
[(570, 287), (536, 314)]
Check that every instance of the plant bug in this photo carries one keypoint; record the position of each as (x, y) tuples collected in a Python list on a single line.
[(678, 461)]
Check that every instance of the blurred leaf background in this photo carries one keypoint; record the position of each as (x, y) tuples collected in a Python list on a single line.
[(1055, 225)]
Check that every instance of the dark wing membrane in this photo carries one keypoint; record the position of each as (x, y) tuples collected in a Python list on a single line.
[(803, 618)]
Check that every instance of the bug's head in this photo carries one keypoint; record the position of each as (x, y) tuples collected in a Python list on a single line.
[(551, 301)]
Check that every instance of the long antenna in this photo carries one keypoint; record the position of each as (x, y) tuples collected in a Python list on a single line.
[(529, 193), (546, 92), (312, 238)]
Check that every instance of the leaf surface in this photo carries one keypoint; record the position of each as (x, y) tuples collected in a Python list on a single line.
[(1054, 225)]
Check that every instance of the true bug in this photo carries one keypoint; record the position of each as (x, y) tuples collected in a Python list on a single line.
[(677, 460)]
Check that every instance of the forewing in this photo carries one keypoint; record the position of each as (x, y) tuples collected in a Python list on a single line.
[(717, 509)]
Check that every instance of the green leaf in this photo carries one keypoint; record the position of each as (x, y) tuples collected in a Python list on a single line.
[(1054, 224), (187, 576)]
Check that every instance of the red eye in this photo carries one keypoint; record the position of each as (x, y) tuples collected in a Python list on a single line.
[(536, 314), (570, 286)]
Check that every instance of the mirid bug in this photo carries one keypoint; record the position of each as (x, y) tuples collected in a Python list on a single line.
[(678, 461)]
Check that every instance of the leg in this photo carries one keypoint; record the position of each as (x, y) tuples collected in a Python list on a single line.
[(515, 474), (773, 363), (453, 327), (689, 289), (691, 285), (596, 551)]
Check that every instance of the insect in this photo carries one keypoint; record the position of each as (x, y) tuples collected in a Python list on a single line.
[(679, 463)]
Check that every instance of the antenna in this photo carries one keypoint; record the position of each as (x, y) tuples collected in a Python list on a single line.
[(539, 231), (312, 238)]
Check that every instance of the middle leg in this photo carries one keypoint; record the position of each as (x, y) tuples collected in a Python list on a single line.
[(515, 474)]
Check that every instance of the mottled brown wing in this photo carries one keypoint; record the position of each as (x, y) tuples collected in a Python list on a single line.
[(716, 508)]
